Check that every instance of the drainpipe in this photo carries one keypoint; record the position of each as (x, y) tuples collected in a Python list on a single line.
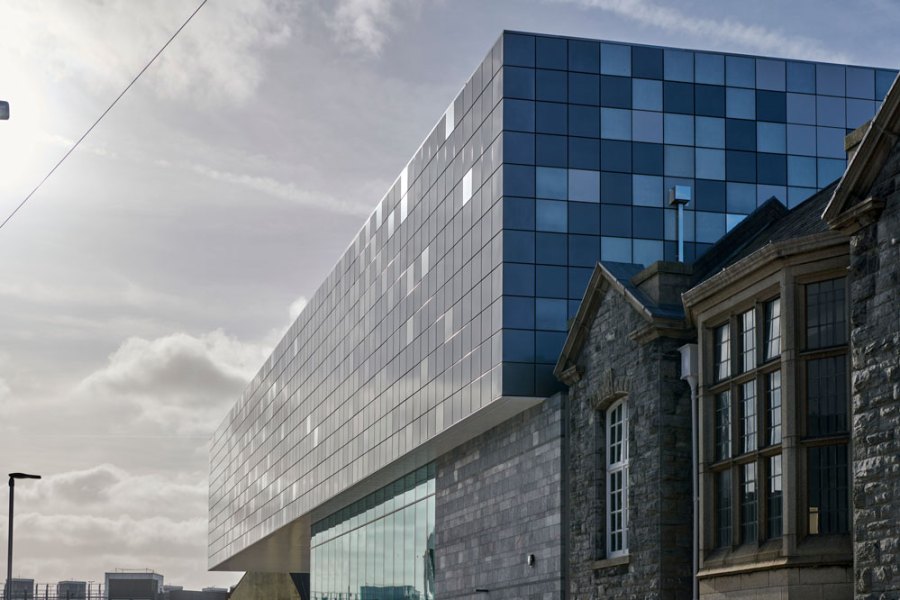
[(689, 373)]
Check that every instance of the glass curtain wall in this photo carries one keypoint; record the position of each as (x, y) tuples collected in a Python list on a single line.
[(380, 547)]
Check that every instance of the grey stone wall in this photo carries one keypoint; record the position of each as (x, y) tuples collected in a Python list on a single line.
[(875, 342), (809, 583), (498, 498), (659, 561)]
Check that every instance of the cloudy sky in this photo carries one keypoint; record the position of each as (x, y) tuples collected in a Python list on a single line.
[(146, 281)]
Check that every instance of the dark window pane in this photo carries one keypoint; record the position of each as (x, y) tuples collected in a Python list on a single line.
[(578, 281), (648, 159), (722, 368), (679, 65), (740, 166), (710, 195), (741, 198), (774, 500), (830, 111), (518, 346), (826, 320), (551, 85), (615, 220), (551, 215), (550, 281), (773, 329), (773, 408), (518, 213), (615, 91), (646, 62), (551, 53), (801, 139), (771, 169), (616, 155), (518, 379), (749, 503), (771, 106), (584, 88), (883, 81), (770, 74), (615, 188), (548, 345), (518, 83), (830, 80), (747, 441), (550, 117), (723, 425), (518, 115), (584, 56), (740, 103), (584, 121), (710, 100), (518, 148), (584, 218), (648, 223), (551, 183), (861, 83), (826, 384), (584, 153), (518, 180), (518, 246), (801, 77), (740, 134), (584, 250), (518, 49), (709, 68), (828, 491), (518, 279), (550, 314), (678, 97), (550, 248), (550, 150), (518, 312), (801, 108), (723, 508), (859, 112), (740, 71)]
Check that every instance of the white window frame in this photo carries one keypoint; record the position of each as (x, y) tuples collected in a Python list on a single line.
[(617, 470)]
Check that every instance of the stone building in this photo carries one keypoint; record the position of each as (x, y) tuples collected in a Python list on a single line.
[(794, 319)]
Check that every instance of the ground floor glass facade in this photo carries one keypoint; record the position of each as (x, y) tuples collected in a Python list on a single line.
[(380, 547)]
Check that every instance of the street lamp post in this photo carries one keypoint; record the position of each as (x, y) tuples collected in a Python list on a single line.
[(9, 554)]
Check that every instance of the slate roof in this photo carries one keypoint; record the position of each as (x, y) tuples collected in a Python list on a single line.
[(623, 273)]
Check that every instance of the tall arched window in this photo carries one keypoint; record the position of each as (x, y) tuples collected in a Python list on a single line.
[(617, 480)]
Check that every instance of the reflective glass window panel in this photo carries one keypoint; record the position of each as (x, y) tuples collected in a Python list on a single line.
[(765, 192), (709, 195), (741, 198), (550, 249), (518, 83), (678, 97), (710, 132), (748, 340), (710, 164), (584, 121), (801, 139), (828, 492), (617, 478), (647, 126), (773, 408), (826, 384), (646, 62), (550, 314), (584, 186), (709, 68), (584, 88), (615, 59), (518, 346), (584, 218), (829, 170), (771, 137), (679, 161), (830, 111), (801, 108), (830, 80), (740, 103), (771, 106), (551, 216), (648, 158), (740, 134), (797, 195), (518, 115), (518, 180), (518, 213), (518, 148), (679, 129), (801, 77), (647, 252), (615, 220), (774, 498), (518, 49), (859, 112), (749, 500), (548, 345), (584, 56), (883, 81), (646, 94), (551, 85), (709, 226), (550, 117), (585, 153), (861, 83), (826, 320), (550, 281), (709, 100), (647, 223), (647, 190), (550, 151), (518, 279), (740, 166), (615, 91), (616, 155), (770, 74), (679, 65), (578, 281), (615, 124), (722, 341), (584, 250), (773, 328), (740, 71), (723, 508), (771, 169), (748, 417), (551, 53), (615, 249), (551, 183), (518, 246), (830, 142)]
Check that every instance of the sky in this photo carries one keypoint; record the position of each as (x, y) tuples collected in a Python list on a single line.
[(147, 280)]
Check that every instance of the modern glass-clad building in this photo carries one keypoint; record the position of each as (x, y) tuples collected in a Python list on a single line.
[(446, 313)]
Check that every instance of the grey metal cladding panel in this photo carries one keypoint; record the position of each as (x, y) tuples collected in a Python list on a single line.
[(397, 344)]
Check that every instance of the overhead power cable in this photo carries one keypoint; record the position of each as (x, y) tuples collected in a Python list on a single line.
[(103, 114)]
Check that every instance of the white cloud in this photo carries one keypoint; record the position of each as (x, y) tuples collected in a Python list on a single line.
[(367, 23), (294, 311), (754, 38)]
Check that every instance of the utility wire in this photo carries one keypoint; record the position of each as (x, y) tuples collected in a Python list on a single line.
[(103, 114)]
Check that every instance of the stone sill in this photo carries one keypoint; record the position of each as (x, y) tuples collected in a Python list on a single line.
[(607, 563)]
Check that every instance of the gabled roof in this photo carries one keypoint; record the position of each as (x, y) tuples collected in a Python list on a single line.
[(850, 204), (620, 278)]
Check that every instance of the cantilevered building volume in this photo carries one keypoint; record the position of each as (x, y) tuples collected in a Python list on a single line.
[(360, 452)]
